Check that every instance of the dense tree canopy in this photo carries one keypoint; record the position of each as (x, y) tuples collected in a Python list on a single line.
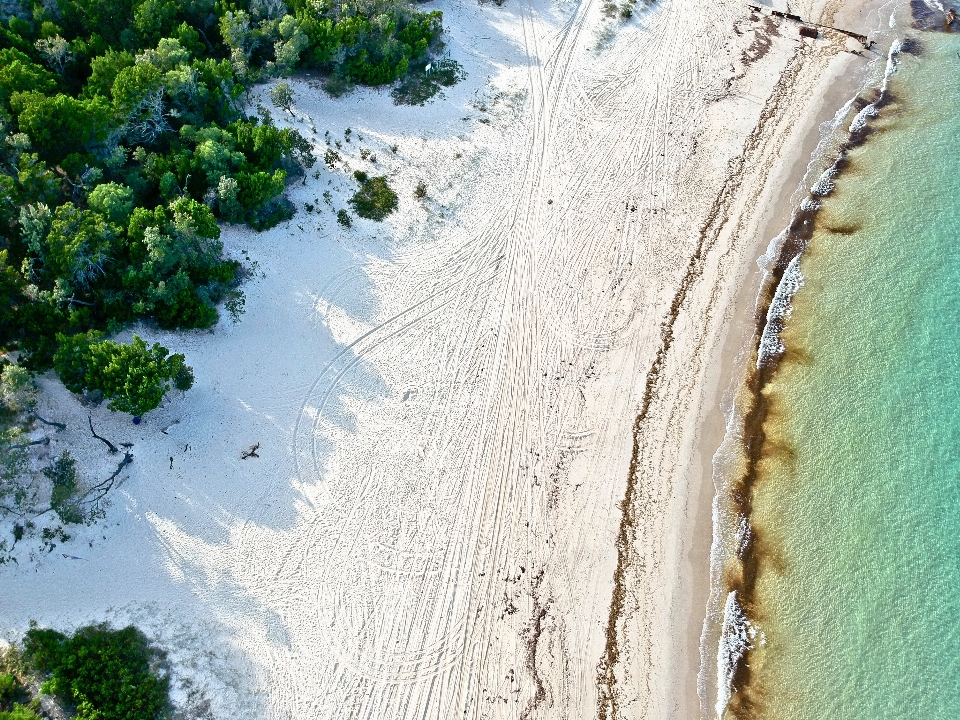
[(106, 674), (133, 377), (123, 142)]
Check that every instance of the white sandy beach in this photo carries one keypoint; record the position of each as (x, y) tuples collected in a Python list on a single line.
[(446, 404)]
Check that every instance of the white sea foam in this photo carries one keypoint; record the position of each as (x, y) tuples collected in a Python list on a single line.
[(743, 535), (871, 110), (824, 184), (860, 121), (737, 636), (771, 346)]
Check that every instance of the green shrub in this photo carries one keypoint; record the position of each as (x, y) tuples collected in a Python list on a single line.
[(133, 377), (374, 200), (19, 712), (106, 674), (421, 85), (63, 475), (9, 687)]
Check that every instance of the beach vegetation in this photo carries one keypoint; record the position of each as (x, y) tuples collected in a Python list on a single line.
[(375, 199), (425, 81), (124, 142), (98, 673), (134, 377)]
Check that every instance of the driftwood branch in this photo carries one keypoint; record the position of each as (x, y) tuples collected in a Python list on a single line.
[(110, 446), (21, 446), (59, 426), (252, 452), (102, 488)]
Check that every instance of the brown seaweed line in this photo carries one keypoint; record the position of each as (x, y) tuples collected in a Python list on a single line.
[(607, 697), (745, 699)]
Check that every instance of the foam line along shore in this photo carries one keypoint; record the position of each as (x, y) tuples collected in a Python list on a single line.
[(754, 560)]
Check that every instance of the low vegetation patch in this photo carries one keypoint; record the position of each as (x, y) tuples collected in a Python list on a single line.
[(375, 199), (424, 82), (95, 674)]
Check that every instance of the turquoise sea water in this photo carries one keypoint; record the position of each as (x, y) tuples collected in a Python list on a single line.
[(859, 600)]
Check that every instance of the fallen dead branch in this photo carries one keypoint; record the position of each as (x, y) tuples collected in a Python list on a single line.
[(21, 446), (58, 425), (110, 446)]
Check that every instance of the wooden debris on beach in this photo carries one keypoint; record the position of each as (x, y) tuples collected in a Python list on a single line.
[(810, 29), (110, 446), (252, 452)]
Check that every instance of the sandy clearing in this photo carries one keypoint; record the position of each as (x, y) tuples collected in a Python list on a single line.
[(447, 403)]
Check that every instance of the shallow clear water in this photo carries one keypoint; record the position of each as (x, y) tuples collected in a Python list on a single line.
[(860, 508)]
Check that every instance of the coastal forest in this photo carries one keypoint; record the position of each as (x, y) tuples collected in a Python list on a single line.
[(126, 141), (127, 138)]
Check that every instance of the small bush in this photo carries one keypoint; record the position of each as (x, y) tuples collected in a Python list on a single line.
[(421, 85), (343, 217), (375, 199), (9, 688), (281, 95), (19, 712), (421, 192), (63, 501)]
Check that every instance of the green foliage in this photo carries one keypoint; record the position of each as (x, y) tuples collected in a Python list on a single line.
[(113, 201), (133, 377), (19, 712), (8, 688), (343, 217), (18, 73), (375, 199), (421, 84), (281, 95), (106, 674), (63, 476), (59, 125), (123, 142)]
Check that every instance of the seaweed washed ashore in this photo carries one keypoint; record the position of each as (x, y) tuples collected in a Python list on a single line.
[(753, 552)]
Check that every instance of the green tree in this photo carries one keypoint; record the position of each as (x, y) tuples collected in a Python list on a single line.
[(287, 51), (18, 74), (106, 674), (153, 19), (104, 70), (60, 125), (281, 95), (133, 377), (113, 201)]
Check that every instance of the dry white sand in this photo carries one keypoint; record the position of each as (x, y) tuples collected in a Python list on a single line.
[(447, 403)]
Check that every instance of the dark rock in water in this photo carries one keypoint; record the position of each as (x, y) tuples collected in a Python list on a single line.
[(928, 18)]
